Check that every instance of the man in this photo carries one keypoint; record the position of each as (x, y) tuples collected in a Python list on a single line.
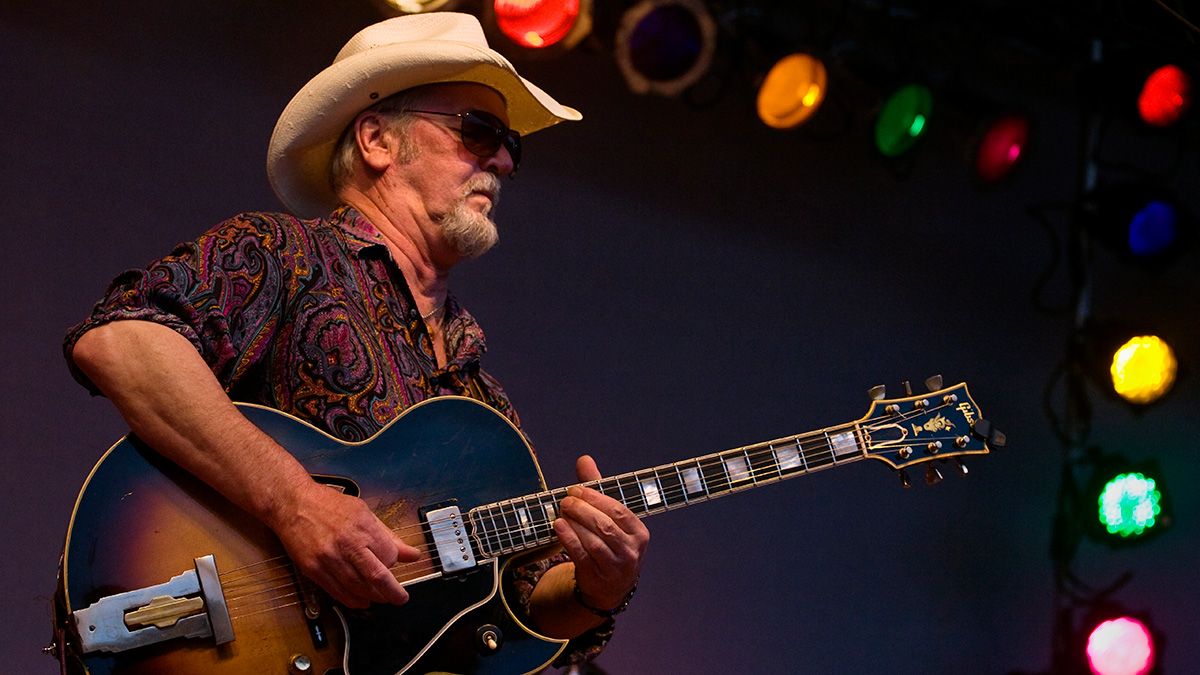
[(345, 319)]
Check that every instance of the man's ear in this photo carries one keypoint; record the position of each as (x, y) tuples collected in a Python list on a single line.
[(374, 141)]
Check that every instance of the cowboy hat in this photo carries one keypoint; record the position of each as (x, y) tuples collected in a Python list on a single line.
[(381, 60)]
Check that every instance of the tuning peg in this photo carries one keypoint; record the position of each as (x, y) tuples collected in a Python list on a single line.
[(933, 382), (907, 388), (932, 475), (984, 431), (905, 482), (877, 392), (962, 468)]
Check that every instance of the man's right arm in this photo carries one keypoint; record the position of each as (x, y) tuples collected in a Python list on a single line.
[(171, 400)]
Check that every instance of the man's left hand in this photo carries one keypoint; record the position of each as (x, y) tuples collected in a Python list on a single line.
[(603, 538)]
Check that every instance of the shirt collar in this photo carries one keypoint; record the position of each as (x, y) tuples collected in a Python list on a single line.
[(360, 233)]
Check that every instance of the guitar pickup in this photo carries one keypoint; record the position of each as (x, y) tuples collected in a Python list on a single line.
[(449, 535), (191, 605)]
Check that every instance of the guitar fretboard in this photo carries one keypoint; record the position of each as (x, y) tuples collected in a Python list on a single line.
[(523, 523)]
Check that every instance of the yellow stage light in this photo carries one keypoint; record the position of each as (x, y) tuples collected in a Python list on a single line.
[(1143, 369)]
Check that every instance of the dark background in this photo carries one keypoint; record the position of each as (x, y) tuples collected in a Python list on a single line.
[(672, 280)]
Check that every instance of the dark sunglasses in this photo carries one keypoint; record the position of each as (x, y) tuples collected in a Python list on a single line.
[(483, 133)]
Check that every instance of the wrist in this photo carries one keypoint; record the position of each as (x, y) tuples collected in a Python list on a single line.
[(601, 611)]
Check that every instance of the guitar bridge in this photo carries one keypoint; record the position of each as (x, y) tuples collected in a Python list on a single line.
[(191, 605), (449, 535)]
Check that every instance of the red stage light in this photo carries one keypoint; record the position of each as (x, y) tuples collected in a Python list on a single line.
[(1122, 646), (1165, 97), (1001, 147), (536, 23)]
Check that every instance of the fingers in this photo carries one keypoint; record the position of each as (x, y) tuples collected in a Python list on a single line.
[(585, 468), (346, 550)]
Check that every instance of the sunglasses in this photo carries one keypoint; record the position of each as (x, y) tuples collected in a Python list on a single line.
[(483, 134)]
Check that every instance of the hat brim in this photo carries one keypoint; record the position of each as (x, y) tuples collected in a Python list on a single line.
[(302, 144)]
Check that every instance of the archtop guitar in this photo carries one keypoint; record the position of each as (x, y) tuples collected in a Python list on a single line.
[(161, 575)]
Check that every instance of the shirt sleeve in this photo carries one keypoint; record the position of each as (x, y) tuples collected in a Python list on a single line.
[(223, 292)]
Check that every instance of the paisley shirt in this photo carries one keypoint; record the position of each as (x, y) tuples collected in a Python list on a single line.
[(314, 319)]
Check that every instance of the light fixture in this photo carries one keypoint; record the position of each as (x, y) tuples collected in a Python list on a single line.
[(1124, 503), (1120, 644), (1165, 97), (1143, 369), (1141, 222), (903, 119), (792, 91), (540, 24), (665, 46), (416, 6), (1001, 147)]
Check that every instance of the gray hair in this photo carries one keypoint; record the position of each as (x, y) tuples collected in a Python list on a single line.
[(341, 165)]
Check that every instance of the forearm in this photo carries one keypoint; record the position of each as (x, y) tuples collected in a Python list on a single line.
[(553, 608), (172, 401)]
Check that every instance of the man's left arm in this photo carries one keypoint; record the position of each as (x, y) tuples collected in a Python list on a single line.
[(606, 543)]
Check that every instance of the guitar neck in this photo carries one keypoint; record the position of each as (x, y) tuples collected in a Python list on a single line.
[(523, 523)]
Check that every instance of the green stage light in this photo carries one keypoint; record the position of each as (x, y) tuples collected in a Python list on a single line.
[(903, 119), (1130, 504)]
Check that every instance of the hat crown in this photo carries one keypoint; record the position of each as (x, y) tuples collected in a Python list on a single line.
[(437, 26)]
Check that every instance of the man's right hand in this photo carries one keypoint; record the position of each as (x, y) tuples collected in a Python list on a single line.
[(172, 401), (336, 541)]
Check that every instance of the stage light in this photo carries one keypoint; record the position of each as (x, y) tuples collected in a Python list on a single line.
[(1143, 369), (665, 46), (538, 24), (1165, 97), (1154, 229), (903, 120), (1001, 147), (1121, 645), (416, 6), (1141, 222), (792, 91), (1130, 504), (1124, 503)]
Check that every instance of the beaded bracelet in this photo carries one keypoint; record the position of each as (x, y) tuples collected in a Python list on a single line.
[(606, 613)]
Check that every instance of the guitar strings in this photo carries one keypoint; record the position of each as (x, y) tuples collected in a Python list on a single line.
[(761, 451)]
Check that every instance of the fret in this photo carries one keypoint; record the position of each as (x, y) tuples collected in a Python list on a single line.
[(764, 465), (716, 480), (634, 498), (829, 442), (672, 487), (749, 466), (493, 537), (819, 458), (611, 487), (509, 523)]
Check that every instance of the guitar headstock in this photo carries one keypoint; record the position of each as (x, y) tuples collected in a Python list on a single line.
[(943, 424)]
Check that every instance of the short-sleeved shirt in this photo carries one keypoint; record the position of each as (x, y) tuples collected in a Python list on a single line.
[(312, 318)]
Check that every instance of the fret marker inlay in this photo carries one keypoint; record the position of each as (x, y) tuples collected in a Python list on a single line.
[(737, 468), (650, 490), (843, 443), (788, 457)]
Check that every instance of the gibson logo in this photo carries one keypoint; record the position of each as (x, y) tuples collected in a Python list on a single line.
[(965, 409), (938, 423)]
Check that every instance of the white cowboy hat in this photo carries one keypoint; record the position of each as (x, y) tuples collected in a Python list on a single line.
[(381, 60)]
